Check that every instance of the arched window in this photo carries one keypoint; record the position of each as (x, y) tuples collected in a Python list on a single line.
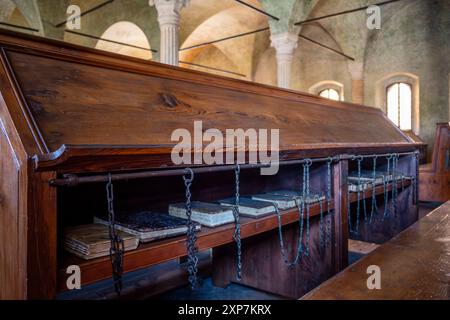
[(398, 95), (328, 89), (330, 94), (399, 104)]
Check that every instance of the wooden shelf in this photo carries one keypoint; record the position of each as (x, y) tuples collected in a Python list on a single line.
[(378, 190), (164, 250)]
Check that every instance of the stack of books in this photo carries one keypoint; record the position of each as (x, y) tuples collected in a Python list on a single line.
[(92, 241), (207, 214), (367, 181), (150, 226)]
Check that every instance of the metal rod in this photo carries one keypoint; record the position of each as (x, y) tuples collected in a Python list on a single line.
[(84, 13), (256, 9), (351, 157), (211, 68), (327, 47), (344, 12), (108, 40), (19, 27), (73, 180), (224, 39)]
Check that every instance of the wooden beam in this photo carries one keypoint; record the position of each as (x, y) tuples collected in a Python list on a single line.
[(224, 39), (259, 10), (327, 47), (101, 5), (344, 12), (18, 27), (212, 68), (108, 40)]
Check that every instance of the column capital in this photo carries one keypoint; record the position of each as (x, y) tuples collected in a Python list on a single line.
[(169, 10), (284, 43), (356, 69)]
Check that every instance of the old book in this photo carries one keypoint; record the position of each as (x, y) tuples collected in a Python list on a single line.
[(283, 202), (314, 197), (368, 178), (249, 207), (367, 181), (150, 226), (359, 187), (92, 240), (207, 214)]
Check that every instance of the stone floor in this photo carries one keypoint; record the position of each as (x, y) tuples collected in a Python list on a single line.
[(208, 291)]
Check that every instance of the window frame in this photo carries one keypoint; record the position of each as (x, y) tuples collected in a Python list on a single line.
[(328, 84), (399, 113), (402, 77)]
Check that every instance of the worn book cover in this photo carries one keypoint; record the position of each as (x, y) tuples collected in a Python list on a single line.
[(365, 183), (368, 178), (249, 207), (150, 226), (92, 240), (207, 214), (313, 197), (282, 201)]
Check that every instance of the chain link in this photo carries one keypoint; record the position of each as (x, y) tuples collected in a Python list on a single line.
[(416, 180), (117, 247), (394, 183), (237, 231), (306, 195), (359, 160), (192, 250), (385, 191), (330, 213), (374, 194)]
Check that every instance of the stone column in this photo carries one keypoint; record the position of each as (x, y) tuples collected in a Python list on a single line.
[(169, 23), (356, 70), (285, 45)]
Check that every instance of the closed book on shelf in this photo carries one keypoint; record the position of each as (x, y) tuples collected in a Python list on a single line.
[(282, 201), (149, 226), (313, 197), (367, 177), (207, 214), (359, 187), (92, 240), (249, 207)]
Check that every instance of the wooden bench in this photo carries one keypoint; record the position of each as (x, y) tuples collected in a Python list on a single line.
[(414, 265), (434, 177)]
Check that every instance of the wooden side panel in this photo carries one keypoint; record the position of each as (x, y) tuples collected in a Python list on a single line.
[(435, 177), (340, 173), (42, 238), (12, 273)]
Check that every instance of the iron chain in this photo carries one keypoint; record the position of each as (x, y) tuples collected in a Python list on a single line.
[(191, 232), (117, 248)]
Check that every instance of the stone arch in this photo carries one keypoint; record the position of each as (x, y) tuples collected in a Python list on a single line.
[(238, 52), (129, 33)]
